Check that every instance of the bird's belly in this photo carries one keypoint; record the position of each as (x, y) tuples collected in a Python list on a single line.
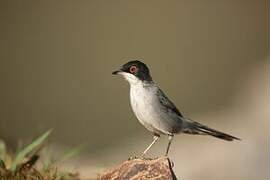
[(147, 110)]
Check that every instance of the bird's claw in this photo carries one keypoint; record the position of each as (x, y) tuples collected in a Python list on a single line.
[(133, 157)]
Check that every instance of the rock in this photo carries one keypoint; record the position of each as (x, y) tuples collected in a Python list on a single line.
[(135, 169)]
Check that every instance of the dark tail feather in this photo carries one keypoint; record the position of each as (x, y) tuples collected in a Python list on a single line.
[(193, 127)]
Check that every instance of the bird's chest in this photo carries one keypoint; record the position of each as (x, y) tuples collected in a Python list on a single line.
[(144, 104)]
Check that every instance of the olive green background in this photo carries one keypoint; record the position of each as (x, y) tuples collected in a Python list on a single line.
[(56, 59)]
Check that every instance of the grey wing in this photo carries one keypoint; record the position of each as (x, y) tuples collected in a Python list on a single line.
[(165, 101)]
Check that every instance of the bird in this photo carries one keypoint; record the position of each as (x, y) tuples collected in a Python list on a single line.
[(155, 111)]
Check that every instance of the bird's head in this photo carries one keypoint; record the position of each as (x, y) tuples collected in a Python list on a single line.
[(134, 71)]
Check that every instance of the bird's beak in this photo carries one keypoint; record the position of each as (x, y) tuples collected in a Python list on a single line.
[(116, 72)]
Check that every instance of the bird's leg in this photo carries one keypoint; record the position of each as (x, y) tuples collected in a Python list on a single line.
[(156, 137), (169, 144)]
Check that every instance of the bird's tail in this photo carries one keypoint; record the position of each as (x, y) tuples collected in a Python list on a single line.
[(192, 127)]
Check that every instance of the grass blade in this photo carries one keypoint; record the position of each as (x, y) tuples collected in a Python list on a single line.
[(2, 150), (2, 164), (72, 152), (28, 149)]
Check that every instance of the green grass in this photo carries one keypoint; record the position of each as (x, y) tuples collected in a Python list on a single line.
[(21, 166)]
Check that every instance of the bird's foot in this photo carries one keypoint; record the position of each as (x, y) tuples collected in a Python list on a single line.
[(133, 157), (141, 157)]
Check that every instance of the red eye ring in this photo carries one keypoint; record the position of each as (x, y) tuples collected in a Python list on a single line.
[(133, 69)]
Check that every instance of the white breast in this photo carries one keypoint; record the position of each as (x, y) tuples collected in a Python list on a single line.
[(148, 109), (145, 105)]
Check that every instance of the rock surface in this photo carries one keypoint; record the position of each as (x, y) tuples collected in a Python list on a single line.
[(156, 169)]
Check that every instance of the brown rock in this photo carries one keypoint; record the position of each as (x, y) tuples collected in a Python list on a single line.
[(135, 169)]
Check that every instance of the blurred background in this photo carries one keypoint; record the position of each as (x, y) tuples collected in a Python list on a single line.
[(212, 58)]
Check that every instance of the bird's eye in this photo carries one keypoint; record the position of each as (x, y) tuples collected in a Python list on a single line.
[(133, 69)]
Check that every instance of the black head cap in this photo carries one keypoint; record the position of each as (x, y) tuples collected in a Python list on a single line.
[(138, 69)]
